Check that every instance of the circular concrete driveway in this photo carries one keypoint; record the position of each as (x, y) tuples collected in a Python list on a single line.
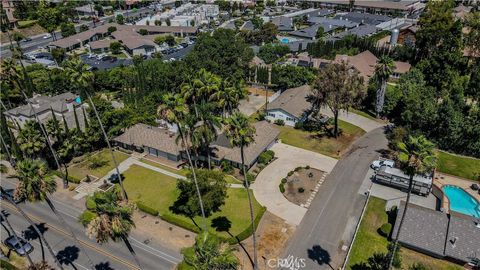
[(265, 188)]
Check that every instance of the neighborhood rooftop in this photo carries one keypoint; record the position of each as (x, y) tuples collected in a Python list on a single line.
[(44, 103), (293, 101)]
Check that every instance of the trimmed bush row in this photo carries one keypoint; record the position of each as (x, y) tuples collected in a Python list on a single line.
[(179, 222), (147, 209), (70, 178)]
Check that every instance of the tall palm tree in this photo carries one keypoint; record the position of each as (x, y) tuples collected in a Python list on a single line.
[(31, 141), (206, 83), (10, 229), (383, 70), (80, 76), (174, 110), (241, 134), (35, 185), (416, 156), (207, 127), (34, 226), (113, 219), (227, 96)]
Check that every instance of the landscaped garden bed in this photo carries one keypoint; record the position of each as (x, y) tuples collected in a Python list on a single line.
[(300, 183), (97, 165)]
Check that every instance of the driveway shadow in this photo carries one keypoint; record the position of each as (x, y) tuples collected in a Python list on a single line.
[(320, 256)]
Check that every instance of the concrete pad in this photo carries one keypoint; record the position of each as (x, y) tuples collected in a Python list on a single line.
[(393, 196), (251, 105), (355, 119), (266, 189)]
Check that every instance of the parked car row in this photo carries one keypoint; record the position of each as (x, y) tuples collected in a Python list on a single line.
[(180, 46), (102, 57)]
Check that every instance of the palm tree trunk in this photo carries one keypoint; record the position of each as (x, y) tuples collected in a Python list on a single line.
[(10, 228), (204, 220), (64, 224), (120, 180), (380, 98), (335, 118), (130, 248), (208, 157), (32, 224), (252, 219), (395, 243)]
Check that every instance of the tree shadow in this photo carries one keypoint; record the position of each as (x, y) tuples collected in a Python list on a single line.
[(320, 255), (223, 224), (68, 255), (103, 266), (31, 234), (6, 214)]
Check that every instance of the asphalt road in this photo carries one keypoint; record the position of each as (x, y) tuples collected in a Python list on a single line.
[(112, 255), (330, 221)]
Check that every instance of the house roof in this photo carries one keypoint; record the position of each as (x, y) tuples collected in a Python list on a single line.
[(384, 4), (132, 39), (283, 23), (293, 101), (362, 17), (360, 31), (144, 135), (422, 228), (43, 103), (463, 240), (335, 23), (265, 134), (311, 31), (402, 67), (100, 44)]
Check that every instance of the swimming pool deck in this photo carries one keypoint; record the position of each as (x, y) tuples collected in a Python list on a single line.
[(442, 179)]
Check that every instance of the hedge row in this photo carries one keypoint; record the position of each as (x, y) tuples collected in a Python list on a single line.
[(180, 222), (248, 231), (7, 266), (70, 178), (26, 24), (147, 209)]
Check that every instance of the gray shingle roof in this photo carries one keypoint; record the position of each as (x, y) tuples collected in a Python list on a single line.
[(361, 31), (283, 23), (43, 103), (364, 18), (465, 236), (422, 228), (293, 101), (311, 31), (333, 22)]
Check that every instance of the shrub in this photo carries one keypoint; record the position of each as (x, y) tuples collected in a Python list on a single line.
[(180, 222), (298, 169), (115, 47), (27, 24), (250, 178), (307, 167), (281, 187), (264, 158), (90, 203), (226, 167), (284, 180), (86, 217), (271, 153), (290, 173), (3, 168), (417, 266), (260, 116), (70, 179), (385, 229), (279, 122), (111, 29), (143, 32), (97, 162), (147, 209), (301, 190), (298, 125)]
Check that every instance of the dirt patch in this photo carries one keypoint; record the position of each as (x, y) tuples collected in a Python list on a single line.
[(152, 228), (301, 184), (272, 236), (28, 32), (259, 91)]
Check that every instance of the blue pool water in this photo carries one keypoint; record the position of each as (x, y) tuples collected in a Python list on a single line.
[(461, 201), (285, 40)]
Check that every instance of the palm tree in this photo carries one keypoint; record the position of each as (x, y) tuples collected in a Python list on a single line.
[(43, 265), (227, 96), (206, 83), (10, 229), (35, 185), (80, 76), (31, 141), (207, 127), (113, 219), (383, 70), (174, 110), (241, 134), (416, 156), (34, 226), (208, 253)]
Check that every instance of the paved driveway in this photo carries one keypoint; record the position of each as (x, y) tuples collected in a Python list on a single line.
[(355, 119), (251, 105), (266, 189)]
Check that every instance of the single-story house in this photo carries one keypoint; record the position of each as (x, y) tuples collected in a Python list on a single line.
[(266, 135), (291, 106), (100, 45), (361, 31), (86, 10), (156, 141), (284, 24), (453, 236)]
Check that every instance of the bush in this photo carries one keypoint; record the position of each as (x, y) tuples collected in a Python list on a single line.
[(97, 162), (417, 266), (385, 229), (279, 122), (147, 209), (290, 173), (143, 32), (86, 217), (226, 167), (180, 222), (90, 203), (70, 179), (3, 168), (265, 158), (271, 153), (298, 169), (298, 125), (27, 24), (284, 180), (250, 178), (307, 167), (6, 265), (281, 187), (301, 190)]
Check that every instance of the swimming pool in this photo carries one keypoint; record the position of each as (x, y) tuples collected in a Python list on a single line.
[(461, 201)]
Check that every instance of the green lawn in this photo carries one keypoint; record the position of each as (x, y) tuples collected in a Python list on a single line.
[(465, 167), (80, 170), (120, 55), (166, 168), (159, 191), (324, 145), (232, 180), (368, 241), (365, 114)]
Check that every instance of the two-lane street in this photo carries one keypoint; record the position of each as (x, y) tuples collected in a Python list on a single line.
[(112, 255), (330, 221)]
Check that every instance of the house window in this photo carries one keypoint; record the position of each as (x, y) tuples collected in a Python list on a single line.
[(290, 119), (271, 114)]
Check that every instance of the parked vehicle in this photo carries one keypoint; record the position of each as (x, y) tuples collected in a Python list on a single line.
[(101, 56), (91, 55), (21, 247), (47, 36), (376, 164), (26, 39)]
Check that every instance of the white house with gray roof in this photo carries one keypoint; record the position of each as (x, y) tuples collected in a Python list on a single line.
[(291, 106)]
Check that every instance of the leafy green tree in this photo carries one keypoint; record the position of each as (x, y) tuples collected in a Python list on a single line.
[(143, 31), (113, 219), (83, 28), (241, 133), (111, 29), (416, 156), (338, 88), (49, 19), (383, 71), (120, 19), (288, 76), (257, 22), (31, 141), (320, 33), (168, 22), (209, 253), (115, 47), (67, 29), (170, 40), (272, 52), (228, 96), (472, 38), (58, 54)]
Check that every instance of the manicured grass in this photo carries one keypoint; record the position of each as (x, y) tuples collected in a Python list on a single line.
[(159, 192), (365, 114), (461, 166), (166, 168), (232, 180), (80, 170), (368, 241), (323, 145), (120, 55), (26, 23)]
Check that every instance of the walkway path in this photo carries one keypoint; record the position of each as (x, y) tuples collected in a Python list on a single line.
[(265, 188), (355, 119)]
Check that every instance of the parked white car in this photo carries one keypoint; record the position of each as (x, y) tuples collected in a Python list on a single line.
[(47, 36), (376, 164)]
